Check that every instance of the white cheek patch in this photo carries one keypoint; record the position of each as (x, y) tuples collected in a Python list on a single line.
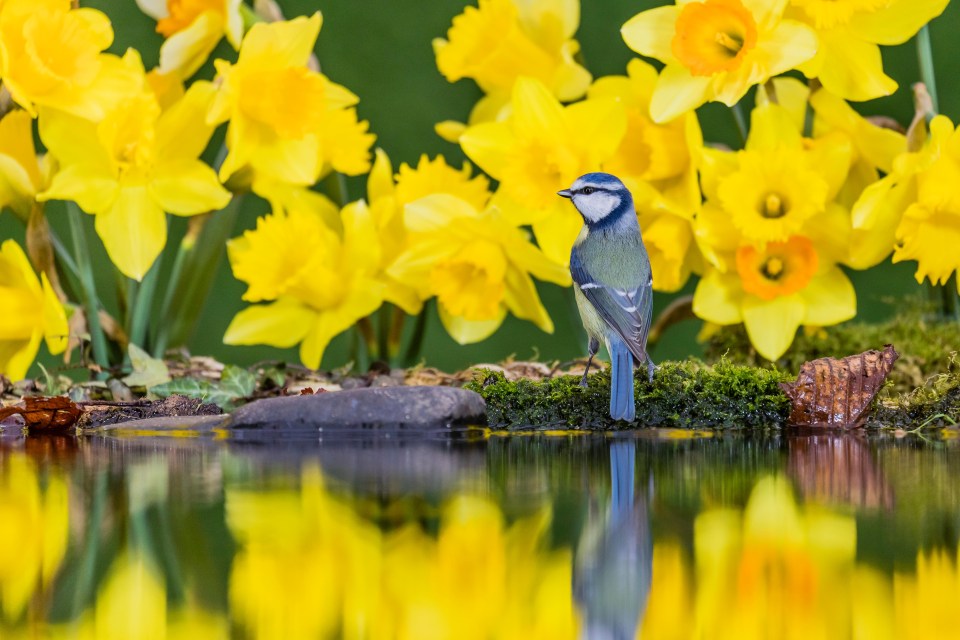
[(597, 205)]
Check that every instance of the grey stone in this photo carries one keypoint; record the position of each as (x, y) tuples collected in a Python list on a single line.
[(408, 409)]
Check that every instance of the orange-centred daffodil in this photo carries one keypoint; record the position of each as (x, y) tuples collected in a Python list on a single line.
[(33, 313), (499, 41), (134, 165), (317, 283), (192, 29), (922, 198), (288, 123), (543, 147), (477, 264), (848, 60), (51, 56), (716, 49), (773, 233)]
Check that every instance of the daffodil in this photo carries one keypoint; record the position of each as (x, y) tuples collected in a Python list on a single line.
[(658, 163), (922, 601), (389, 194), (50, 56), (477, 264), (21, 175), (34, 532), (499, 41), (192, 29), (847, 60), (543, 147), (716, 50), (33, 313), (288, 123), (773, 570), (922, 198), (773, 233), (316, 283), (131, 167)]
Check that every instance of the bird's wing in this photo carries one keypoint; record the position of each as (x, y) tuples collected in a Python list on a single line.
[(626, 311)]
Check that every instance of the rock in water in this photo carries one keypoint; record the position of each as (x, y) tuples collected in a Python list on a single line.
[(408, 409)]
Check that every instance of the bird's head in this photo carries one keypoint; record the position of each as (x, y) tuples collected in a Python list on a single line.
[(600, 198)]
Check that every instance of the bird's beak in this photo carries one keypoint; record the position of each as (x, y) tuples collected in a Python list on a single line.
[(565, 193)]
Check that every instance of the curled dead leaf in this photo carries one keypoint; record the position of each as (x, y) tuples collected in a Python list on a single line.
[(53, 413), (837, 393)]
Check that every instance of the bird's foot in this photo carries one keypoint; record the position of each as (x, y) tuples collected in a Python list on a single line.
[(650, 369)]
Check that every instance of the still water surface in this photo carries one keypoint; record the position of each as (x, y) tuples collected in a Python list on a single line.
[(659, 534)]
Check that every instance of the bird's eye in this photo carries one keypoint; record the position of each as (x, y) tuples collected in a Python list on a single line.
[(587, 190)]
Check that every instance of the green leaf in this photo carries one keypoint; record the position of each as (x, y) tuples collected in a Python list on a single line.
[(235, 383), (147, 372), (238, 381)]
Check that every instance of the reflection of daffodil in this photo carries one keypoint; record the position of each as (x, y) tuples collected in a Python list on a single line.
[(848, 61), (924, 601), (716, 50), (51, 56), (33, 313), (21, 175), (192, 29), (501, 40), (776, 570), (320, 283), (543, 147), (922, 198), (287, 122), (774, 234), (133, 166), (476, 263), (33, 532)]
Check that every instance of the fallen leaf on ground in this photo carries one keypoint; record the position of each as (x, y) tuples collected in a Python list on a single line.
[(45, 413), (838, 393)]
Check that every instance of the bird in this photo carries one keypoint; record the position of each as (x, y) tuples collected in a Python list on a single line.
[(613, 283)]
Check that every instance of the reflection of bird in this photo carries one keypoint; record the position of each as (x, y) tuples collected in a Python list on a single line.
[(613, 570), (614, 284)]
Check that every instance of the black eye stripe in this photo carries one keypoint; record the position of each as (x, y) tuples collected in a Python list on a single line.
[(587, 190)]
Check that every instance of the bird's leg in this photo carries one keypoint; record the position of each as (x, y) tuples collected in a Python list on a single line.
[(591, 351), (650, 369)]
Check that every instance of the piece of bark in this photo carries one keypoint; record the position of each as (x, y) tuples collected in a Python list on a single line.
[(838, 393)]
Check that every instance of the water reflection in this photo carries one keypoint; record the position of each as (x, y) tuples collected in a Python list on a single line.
[(601, 537)]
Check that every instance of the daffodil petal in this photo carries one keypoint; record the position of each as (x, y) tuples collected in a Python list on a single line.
[(187, 187), (184, 52), (788, 46), (87, 185), (717, 298), (363, 299), (854, 69), (772, 324), (133, 230), (55, 329), (897, 22), (599, 124), (465, 331), (830, 299), (434, 212), (650, 33), (555, 233), (380, 181), (523, 301), (535, 111), (19, 355), (771, 127), (182, 130), (677, 92), (281, 324), (286, 43)]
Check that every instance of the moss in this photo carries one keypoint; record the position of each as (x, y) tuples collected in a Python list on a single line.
[(686, 394), (925, 345), (936, 404)]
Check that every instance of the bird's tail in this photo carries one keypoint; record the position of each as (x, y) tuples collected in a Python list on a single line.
[(621, 381)]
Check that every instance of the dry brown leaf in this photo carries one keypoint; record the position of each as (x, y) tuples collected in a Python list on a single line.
[(45, 413), (837, 393)]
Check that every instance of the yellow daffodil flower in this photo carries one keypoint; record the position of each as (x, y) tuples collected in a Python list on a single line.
[(773, 570), (847, 60), (192, 29), (658, 163), (33, 313), (922, 601), (716, 50), (543, 147), (773, 233), (922, 198), (476, 263), (130, 168), (34, 533), (319, 283), (21, 175), (51, 56), (388, 195), (499, 41), (287, 123)]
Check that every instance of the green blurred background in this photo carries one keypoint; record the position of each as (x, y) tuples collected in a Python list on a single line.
[(381, 50)]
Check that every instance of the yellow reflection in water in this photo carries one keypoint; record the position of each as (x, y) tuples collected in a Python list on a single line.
[(308, 566), (33, 532)]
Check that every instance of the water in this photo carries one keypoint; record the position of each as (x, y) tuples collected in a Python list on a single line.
[(658, 534)]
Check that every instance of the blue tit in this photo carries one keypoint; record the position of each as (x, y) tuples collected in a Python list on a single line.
[(613, 283)]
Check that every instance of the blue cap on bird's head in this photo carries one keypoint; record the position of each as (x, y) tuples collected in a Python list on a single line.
[(599, 197)]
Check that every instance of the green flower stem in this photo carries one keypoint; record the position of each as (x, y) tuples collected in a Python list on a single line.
[(335, 186), (396, 333), (369, 336), (741, 121), (142, 305), (950, 305), (383, 331), (416, 339), (90, 301), (87, 570), (925, 58)]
